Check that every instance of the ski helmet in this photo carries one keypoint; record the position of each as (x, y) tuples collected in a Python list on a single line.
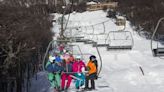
[(78, 57), (51, 59)]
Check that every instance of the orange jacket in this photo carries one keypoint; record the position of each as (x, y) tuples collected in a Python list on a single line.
[(92, 67)]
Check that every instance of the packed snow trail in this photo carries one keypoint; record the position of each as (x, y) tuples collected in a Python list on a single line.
[(120, 71)]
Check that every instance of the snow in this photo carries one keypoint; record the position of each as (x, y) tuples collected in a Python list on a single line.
[(90, 3), (120, 17), (120, 72)]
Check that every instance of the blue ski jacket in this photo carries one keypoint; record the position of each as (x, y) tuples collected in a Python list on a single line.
[(54, 67)]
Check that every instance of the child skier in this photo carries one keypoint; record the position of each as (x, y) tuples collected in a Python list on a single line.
[(92, 73), (78, 67), (67, 64), (54, 70), (61, 48)]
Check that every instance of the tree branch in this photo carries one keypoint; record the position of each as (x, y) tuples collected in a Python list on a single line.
[(18, 48), (3, 49)]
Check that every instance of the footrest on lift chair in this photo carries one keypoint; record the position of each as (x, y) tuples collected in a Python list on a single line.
[(119, 47)]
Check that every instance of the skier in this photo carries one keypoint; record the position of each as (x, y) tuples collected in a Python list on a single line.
[(58, 58), (92, 73), (67, 64), (66, 55), (78, 67), (61, 48), (71, 58), (54, 70)]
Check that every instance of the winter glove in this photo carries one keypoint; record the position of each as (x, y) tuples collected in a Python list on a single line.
[(83, 69), (79, 74), (88, 68)]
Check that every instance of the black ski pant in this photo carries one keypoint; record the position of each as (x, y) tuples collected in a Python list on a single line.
[(92, 79)]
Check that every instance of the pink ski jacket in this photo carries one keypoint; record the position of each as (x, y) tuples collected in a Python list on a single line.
[(77, 66)]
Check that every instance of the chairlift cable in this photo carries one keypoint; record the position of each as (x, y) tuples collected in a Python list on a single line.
[(120, 46)]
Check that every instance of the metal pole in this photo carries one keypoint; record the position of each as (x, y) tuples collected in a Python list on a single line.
[(44, 59), (100, 61)]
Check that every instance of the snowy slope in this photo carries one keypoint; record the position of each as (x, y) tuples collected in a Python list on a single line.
[(120, 72)]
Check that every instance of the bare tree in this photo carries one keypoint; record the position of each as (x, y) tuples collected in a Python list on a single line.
[(24, 35)]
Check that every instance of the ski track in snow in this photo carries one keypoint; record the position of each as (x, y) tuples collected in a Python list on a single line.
[(120, 72)]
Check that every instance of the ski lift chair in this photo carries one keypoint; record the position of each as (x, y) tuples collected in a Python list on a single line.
[(89, 35), (74, 34), (121, 40), (85, 37), (157, 51), (69, 46), (89, 42), (94, 38), (102, 40), (79, 33), (89, 38), (75, 49), (102, 37), (80, 37)]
